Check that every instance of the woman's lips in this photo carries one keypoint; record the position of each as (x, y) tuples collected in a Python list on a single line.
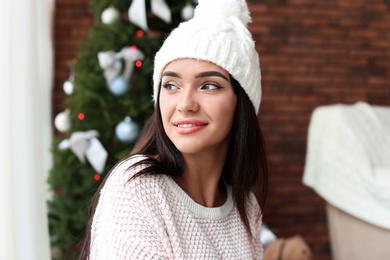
[(188, 126)]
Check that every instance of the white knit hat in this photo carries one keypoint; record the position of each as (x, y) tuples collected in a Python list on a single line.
[(218, 33)]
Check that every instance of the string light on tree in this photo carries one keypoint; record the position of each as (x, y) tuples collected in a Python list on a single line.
[(127, 130), (81, 116), (139, 33), (97, 177), (138, 63)]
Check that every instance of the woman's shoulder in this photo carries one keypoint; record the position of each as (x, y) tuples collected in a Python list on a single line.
[(127, 209), (132, 160), (125, 192), (129, 167), (125, 178)]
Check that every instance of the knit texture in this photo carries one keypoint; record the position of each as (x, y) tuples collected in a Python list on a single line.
[(218, 33), (151, 217), (348, 159)]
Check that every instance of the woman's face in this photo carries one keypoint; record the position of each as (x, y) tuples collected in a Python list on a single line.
[(197, 104)]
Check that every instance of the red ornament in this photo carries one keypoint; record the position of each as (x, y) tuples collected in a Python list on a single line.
[(133, 47), (97, 177)]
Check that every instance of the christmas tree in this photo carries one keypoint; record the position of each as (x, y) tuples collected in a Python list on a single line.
[(109, 99)]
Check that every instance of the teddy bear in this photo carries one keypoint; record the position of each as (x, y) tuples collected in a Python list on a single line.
[(293, 248)]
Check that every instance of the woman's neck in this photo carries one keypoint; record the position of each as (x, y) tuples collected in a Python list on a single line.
[(201, 180)]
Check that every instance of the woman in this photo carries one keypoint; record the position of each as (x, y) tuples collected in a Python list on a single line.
[(187, 189)]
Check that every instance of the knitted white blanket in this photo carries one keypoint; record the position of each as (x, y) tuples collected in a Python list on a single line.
[(348, 159)]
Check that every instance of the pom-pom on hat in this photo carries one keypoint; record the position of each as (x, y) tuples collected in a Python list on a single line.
[(218, 33)]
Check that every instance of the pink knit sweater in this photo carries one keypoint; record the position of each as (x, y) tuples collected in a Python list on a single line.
[(151, 217)]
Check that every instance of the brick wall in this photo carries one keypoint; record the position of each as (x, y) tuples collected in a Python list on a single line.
[(313, 53), (71, 21)]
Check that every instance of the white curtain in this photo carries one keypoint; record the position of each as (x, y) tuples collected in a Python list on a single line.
[(25, 131)]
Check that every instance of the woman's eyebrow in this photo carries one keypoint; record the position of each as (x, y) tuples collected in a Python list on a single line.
[(199, 75), (171, 74), (211, 73)]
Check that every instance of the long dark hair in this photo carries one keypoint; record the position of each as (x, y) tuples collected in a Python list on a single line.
[(245, 167)]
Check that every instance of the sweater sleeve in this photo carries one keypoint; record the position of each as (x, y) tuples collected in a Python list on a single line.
[(123, 226)]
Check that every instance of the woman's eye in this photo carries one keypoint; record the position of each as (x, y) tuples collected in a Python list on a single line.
[(169, 86), (210, 86)]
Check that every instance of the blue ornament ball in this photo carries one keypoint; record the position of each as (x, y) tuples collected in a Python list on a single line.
[(127, 130), (119, 86)]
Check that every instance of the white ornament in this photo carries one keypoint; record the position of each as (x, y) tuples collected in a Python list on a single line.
[(68, 87), (86, 145), (187, 12), (110, 62), (119, 86), (62, 121), (127, 130), (110, 15), (137, 12)]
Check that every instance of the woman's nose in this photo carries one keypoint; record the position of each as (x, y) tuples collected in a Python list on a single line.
[(188, 101)]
